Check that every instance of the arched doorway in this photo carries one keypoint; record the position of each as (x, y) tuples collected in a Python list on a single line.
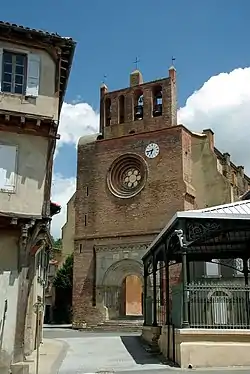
[(131, 296), (122, 289)]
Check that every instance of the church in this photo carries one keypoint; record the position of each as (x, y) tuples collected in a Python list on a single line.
[(132, 177)]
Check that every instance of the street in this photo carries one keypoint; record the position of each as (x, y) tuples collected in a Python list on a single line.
[(110, 352)]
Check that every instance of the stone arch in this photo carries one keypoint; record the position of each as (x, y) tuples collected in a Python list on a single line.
[(114, 280), (116, 273)]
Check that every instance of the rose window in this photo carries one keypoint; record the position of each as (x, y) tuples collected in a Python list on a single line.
[(132, 178), (127, 176)]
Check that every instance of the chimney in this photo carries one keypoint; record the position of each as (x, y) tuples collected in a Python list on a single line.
[(103, 90), (241, 171), (172, 73), (136, 78), (210, 136)]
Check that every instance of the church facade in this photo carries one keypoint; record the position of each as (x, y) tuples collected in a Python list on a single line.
[(132, 177)]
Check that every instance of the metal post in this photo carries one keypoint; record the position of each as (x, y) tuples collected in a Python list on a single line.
[(167, 294), (38, 309), (185, 322), (154, 292), (145, 291), (167, 298), (245, 271), (180, 234)]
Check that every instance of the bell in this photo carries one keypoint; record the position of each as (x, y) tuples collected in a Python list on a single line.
[(138, 112), (157, 110)]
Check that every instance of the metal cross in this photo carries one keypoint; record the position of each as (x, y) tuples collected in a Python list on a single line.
[(104, 79), (173, 59), (136, 62)]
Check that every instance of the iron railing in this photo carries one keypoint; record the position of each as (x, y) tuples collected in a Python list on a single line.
[(161, 311), (218, 305)]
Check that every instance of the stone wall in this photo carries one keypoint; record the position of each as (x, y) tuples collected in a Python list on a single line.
[(8, 296)]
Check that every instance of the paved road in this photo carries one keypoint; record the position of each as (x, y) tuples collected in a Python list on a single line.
[(106, 353)]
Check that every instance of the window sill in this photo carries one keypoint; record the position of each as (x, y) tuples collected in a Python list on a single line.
[(212, 276), (238, 275), (17, 95), (3, 190)]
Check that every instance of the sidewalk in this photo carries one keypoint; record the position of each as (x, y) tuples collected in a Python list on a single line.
[(52, 353)]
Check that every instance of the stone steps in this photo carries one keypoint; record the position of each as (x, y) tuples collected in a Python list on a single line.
[(118, 325)]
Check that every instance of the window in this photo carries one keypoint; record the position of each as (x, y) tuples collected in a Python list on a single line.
[(14, 73), (8, 164), (212, 268), (19, 73)]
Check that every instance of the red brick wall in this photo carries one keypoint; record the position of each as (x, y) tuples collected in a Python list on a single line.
[(106, 214), (99, 214), (149, 123)]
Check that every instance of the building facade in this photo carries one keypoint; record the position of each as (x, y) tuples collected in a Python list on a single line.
[(34, 72), (132, 177), (68, 230)]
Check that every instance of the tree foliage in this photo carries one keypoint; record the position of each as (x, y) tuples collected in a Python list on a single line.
[(64, 276), (57, 244)]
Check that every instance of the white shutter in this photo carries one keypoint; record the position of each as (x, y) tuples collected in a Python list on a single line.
[(33, 75), (1, 67)]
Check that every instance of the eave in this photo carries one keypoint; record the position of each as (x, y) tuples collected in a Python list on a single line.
[(60, 48), (17, 122)]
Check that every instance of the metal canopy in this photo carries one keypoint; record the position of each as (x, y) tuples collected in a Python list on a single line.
[(218, 232)]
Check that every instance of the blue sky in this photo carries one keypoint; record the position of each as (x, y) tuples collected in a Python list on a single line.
[(206, 38)]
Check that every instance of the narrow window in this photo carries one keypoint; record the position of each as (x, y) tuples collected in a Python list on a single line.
[(121, 108), (157, 101), (14, 73), (87, 191), (80, 248), (107, 112), (138, 109), (85, 220)]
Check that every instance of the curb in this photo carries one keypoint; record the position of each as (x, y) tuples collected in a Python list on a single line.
[(61, 356)]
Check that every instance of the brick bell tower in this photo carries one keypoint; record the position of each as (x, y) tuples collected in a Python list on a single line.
[(129, 184)]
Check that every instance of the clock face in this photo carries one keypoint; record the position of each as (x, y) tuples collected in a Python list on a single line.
[(152, 150)]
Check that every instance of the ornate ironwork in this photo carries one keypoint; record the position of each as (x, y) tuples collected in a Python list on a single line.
[(150, 267), (198, 230), (172, 243)]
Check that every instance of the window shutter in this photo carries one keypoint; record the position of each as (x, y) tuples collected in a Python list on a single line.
[(1, 67), (33, 75)]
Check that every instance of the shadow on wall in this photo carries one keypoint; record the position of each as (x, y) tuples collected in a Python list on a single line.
[(13, 275), (23, 163)]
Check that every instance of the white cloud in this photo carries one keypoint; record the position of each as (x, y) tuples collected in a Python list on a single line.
[(62, 190), (222, 104), (76, 120)]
